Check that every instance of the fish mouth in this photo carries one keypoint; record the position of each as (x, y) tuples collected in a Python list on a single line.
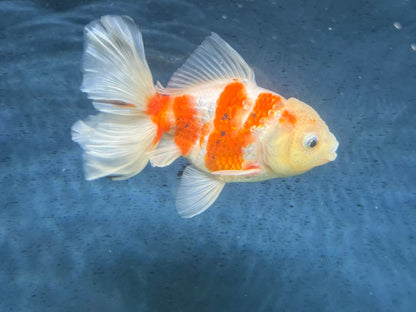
[(332, 155)]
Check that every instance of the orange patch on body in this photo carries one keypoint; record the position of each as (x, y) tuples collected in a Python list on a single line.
[(188, 126), (224, 148), (287, 118), (230, 135), (158, 109), (266, 103)]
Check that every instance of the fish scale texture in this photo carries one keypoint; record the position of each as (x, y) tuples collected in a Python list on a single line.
[(338, 238)]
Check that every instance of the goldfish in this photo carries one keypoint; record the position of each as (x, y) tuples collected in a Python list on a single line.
[(211, 112)]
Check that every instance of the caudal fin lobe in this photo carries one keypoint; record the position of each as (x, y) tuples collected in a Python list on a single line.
[(117, 78)]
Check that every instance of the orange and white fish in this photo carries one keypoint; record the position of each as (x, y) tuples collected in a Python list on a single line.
[(212, 112)]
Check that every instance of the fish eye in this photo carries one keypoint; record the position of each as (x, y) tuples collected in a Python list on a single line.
[(310, 141)]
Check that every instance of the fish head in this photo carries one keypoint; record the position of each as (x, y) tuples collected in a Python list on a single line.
[(298, 140)]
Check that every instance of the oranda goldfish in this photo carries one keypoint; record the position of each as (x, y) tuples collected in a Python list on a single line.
[(212, 112)]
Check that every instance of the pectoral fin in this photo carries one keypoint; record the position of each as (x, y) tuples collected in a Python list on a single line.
[(197, 192)]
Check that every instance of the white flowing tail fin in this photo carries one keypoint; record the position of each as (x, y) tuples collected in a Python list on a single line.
[(117, 141)]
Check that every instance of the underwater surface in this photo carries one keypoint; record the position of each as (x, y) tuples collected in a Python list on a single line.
[(338, 238)]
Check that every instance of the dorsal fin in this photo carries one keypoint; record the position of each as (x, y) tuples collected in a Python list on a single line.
[(213, 60)]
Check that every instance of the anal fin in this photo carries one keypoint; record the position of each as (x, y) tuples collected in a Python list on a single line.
[(165, 154)]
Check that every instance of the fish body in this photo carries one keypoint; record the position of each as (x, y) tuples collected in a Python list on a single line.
[(220, 128), (212, 112)]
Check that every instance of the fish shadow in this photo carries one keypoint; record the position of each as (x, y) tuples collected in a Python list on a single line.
[(240, 280), (183, 283)]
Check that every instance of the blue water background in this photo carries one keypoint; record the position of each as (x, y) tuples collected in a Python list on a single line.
[(338, 238)]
